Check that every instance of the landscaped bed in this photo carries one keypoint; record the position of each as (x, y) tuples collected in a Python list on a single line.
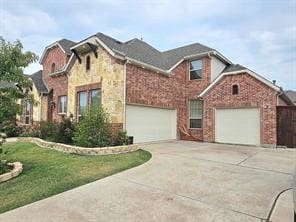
[(48, 172)]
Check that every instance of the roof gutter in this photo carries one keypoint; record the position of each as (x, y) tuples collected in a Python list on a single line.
[(283, 96), (203, 54), (221, 57), (210, 53), (145, 65), (199, 55)]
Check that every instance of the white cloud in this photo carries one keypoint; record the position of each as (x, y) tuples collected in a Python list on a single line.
[(258, 35), (28, 21)]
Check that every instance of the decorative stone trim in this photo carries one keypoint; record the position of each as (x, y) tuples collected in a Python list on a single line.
[(79, 150), (17, 169)]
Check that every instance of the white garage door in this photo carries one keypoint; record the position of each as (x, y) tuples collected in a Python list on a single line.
[(238, 126), (148, 124)]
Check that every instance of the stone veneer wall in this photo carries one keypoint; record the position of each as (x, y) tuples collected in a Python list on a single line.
[(37, 106), (17, 169), (80, 150), (106, 72)]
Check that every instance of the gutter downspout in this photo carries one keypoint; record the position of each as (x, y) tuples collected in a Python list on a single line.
[(124, 95), (277, 97), (40, 109)]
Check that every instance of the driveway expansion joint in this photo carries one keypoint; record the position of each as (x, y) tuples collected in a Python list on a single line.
[(250, 156), (232, 164)]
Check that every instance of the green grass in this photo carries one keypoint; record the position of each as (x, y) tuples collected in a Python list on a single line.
[(48, 172)]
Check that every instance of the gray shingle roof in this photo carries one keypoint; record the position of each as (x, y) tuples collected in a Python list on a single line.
[(66, 44), (4, 85), (171, 57), (292, 95), (233, 67), (38, 82), (143, 52)]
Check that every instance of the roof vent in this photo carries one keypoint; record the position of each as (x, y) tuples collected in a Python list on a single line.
[(274, 82)]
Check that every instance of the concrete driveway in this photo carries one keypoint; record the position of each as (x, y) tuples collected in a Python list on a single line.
[(184, 181)]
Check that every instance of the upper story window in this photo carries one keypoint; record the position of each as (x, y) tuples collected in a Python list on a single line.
[(195, 113), (234, 89), (87, 65), (52, 67), (62, 104), (27, 112), (195, 70)]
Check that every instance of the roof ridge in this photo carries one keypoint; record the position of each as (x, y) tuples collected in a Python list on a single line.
[(130, 41), (184, 46), (66, 40), (116, 40)]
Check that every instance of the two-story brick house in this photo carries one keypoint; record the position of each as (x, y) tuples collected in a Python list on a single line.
[(192, 92)]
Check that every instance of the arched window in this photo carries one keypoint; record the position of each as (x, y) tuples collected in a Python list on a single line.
[(234, 89), (52, 67), (88, 63)]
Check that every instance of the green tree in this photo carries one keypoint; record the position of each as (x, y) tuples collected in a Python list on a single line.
[(13, 84), (93, 130)]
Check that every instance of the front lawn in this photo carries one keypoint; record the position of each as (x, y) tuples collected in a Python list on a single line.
[(48, 172)]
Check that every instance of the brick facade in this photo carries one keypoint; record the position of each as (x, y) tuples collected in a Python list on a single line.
[(58, 84), (149, 88), (146, 87), (252, 93)]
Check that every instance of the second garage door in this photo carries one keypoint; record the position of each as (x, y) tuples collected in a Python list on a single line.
[(148, 124), (237, 126)]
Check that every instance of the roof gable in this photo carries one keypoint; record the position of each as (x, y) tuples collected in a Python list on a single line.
[(38, 82), (64, 44), (238, 69), (143, 53)]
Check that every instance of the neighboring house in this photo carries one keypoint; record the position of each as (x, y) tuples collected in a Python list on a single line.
[(192, 92), (38, 111), (292, 95)]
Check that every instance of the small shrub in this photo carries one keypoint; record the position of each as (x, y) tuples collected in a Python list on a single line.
[(30, 131), (120, 138), (93, 129), (10, 128), (3, 166), (48, 131), (66, 130)]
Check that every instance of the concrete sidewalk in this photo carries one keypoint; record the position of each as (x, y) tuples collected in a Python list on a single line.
[(184, 181)]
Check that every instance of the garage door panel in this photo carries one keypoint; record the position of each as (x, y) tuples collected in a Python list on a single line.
[(238, 126), (150, 124)]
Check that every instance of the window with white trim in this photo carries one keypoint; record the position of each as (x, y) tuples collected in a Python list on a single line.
[(62, 104), (195, 113), (195, 69), (27, 112)]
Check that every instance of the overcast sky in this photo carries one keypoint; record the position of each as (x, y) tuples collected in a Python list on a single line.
[(260, 35)]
